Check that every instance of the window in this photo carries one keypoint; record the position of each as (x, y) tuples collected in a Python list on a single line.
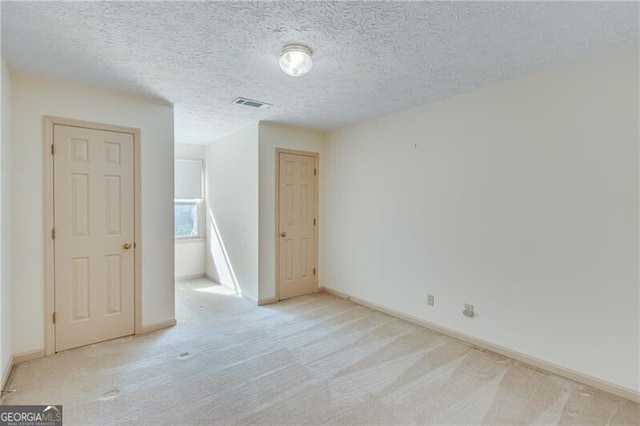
[(186, 219), (188, 205)]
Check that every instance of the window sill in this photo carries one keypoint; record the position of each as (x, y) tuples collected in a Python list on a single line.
[(187, 240)]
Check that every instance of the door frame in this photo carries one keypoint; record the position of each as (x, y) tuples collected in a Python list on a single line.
[(48, 212), (316, 182)]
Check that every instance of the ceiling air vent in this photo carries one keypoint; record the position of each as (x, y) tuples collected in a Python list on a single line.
[(251, 103)]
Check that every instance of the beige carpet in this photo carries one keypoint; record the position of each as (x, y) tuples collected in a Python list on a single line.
[(311, 360)]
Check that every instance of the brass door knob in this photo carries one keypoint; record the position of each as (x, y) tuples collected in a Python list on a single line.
[(283, 234), (126, 246)]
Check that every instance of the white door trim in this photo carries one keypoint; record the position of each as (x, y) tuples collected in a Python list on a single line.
[(49, 301), (316, 157)]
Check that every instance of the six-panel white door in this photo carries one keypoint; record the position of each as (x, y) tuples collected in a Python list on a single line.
[(296, 218), (94, 230)]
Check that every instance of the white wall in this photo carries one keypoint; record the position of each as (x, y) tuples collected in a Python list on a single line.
[(34, 97), (232, 208), (274, 136), (520, 198), (6, 299), (241, 171), (190, 252), (190, 258)]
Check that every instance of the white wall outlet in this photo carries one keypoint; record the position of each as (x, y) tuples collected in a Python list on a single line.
[(468, 310), (430, 300)]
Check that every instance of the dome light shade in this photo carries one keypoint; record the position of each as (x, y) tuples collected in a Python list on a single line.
[(296, 60)]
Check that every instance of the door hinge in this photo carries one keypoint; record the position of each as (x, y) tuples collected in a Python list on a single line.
[(314, 271), (314, 222), (315, 172), (53, 149), (53, 233), (54, 317)]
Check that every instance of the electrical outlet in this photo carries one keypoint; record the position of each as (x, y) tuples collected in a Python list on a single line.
[(430, 300), (468, 310)]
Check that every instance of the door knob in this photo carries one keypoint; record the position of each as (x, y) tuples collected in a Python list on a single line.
[(126, 246), (283, 234)]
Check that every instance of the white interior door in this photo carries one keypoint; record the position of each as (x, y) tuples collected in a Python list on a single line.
[(93, 240), (296, 217)]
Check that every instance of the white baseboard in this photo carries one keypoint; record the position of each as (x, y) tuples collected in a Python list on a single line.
[(6, 375), (250, 299), (16, 359), (156, 326), (217, 281), (27, 356), (534, 362), (190, 277), (232, 288), (212, 278), (267, 300)]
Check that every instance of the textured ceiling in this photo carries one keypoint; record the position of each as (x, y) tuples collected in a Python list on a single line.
[(370, 58)]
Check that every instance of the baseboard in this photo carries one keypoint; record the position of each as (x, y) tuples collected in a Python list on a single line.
[(190, 277), (267, 300), (534, 362), (27, 356), (156, 326), (215, 280), (6, 375), (249, 299), (17, 359), (212, 278), (232, 288)]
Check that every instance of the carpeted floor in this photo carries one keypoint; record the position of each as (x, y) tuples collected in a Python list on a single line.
[(315, 359)]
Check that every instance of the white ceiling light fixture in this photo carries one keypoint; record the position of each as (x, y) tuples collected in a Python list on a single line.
[(296, 60)]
